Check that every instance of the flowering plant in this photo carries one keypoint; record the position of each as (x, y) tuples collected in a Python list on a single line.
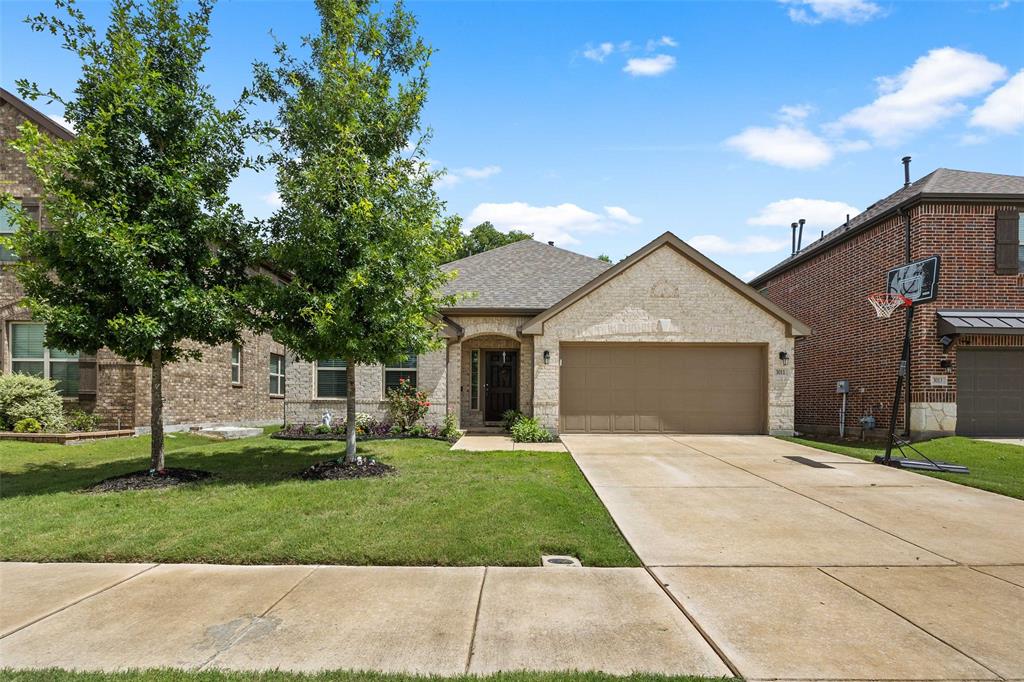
[(406, 405)]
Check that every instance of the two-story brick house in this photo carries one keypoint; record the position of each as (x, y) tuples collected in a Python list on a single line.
[(231, 384), (966, 372)]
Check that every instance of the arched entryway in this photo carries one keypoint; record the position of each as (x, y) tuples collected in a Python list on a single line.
[(495, 376)]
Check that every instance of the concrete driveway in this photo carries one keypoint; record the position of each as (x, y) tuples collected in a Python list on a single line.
[(823, 566)]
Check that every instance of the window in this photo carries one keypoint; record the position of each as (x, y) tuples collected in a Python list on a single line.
[(236, 364), (8, 227), (1020, 242), (394, 373), (474, 380), (29, 355), (331, 378), (276, 374)]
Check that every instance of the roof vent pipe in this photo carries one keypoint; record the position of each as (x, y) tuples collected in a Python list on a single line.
[(906, 171), (792, 249), (800, 236), (551, 243)]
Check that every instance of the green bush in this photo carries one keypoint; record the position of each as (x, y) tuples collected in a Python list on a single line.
[(406, 405), (509, 419), (82, 421), (28, 425), (23, 397), (529, 430), (450, 431)]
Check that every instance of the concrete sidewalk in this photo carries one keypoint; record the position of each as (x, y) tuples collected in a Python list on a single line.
[(307, 618)]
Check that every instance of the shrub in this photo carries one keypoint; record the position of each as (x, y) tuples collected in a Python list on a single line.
[(509, 419), (450, 431), (406, 405), (82, 421), (23, 397), (419, 431), (323, 429), (529, 430), (28, 425)]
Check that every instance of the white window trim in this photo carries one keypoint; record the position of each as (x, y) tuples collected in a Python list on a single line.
[(474, 353), (280, 376), (237, 382), (316, 382), (384, 376), (46, 359)]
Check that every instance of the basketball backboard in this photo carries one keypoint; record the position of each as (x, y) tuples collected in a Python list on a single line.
[(917, 281)]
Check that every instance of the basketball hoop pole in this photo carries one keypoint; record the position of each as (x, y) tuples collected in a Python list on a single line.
[(904, 358)]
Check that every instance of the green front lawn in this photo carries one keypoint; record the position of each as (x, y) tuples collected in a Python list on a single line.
[(443, 508), (55, 675), (997, 467)]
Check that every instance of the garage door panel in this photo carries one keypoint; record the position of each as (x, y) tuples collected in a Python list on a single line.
[(990, 392), (661, 388)]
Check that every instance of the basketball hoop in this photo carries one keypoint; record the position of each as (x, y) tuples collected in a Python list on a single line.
[(886, 304)]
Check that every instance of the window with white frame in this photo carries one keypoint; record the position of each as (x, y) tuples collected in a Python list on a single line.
[(395, 373), (474, 380), (331, 378), (276, 374), (236, 364), (29, 355), (8, 226)]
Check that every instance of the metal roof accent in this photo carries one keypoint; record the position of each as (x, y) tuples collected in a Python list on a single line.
[(1003, 322)]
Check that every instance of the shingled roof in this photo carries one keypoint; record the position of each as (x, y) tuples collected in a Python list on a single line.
[(942, 183), (523, 276)]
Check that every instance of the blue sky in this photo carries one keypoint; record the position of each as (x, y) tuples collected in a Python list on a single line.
[(601, 125)]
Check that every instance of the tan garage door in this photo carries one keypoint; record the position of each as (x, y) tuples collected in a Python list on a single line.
[(990, 392), (647, 388)]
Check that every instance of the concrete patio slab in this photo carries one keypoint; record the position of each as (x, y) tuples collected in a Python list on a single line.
[(31, 591), (483, 443), (964, 524), (664, 471), (616, 620), (749, 527), (171, 616), (1011, 574), (799, 623), (979, 615), (538, 447), (391, 619), (580, 444)]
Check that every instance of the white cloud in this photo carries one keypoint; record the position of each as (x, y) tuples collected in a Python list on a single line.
[(818, 11), (622, 215), (272, 199), (923, 95), (599, 53), (650, 66), (818, 213), (458, 175), (749, 275), (787, 146), (1003, 110), (794, 113), (63, 123), (712, 243), (664, 41), (562, 224)]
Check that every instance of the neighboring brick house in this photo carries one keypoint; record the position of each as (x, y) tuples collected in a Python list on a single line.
[(664, 341), (229, 385), (967, 352)]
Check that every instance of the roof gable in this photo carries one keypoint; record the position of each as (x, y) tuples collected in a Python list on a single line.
[(793, 326), (523, 276), (32, 114)]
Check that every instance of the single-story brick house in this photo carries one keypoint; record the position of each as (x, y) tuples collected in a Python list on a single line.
[(232, 384), (663, 341), (966, 373)]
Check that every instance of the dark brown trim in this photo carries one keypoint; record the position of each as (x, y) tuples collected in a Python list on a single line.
[(36, 116), (794, 327), (501, 312), (824, 246)]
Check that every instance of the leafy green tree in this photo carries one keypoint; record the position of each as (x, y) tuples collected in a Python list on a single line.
[(485, 237), (148, 255), (605, 257), (360, 228)]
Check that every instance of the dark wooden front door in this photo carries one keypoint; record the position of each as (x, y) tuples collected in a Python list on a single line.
[(501, 385)]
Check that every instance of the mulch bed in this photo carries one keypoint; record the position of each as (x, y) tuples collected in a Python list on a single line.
[(361, 439), (333, 470), (143, 480)]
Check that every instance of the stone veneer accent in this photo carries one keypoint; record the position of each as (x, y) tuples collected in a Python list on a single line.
[(665, 298)]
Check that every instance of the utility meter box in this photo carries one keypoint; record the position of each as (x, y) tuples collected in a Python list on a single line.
[(843, 386)]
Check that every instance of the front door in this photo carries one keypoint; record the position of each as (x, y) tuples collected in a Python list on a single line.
[(501, 386)]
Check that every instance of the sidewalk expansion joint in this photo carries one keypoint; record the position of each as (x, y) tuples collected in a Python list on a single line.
[(476, 621)]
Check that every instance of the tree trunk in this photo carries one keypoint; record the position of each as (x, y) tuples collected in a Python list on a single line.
[(156, 412), (350, 410)]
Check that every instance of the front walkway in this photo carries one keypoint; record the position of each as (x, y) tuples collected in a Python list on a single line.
[(823, 566)]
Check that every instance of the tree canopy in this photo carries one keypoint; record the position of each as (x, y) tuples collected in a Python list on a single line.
[(485, 237)]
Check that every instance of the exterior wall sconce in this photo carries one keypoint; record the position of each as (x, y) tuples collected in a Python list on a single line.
[(547, 357), (945, 364), (784, 356), (946, 342)]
